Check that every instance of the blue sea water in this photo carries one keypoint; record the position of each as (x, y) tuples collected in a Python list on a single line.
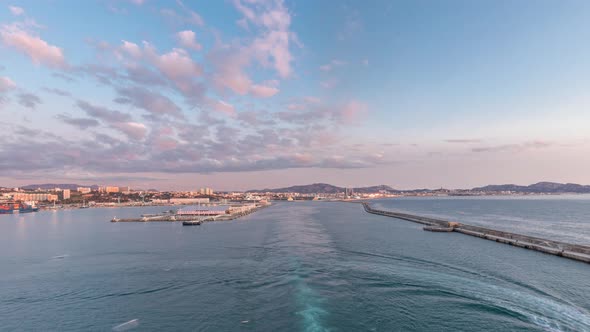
[(297, 266)]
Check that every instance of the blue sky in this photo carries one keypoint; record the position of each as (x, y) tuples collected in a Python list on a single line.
[(262, 93)]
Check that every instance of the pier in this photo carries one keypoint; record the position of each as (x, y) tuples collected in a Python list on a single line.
[(188, 219), (568, 250)]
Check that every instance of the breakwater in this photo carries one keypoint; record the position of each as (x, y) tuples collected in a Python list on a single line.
[(568, 250), (191, 219)]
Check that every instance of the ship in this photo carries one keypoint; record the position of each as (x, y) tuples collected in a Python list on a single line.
[(16, 207)]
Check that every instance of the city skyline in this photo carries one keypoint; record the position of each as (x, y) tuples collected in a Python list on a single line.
[(252, 94)]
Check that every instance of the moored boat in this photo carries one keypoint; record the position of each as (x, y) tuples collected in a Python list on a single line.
[(17, 207)]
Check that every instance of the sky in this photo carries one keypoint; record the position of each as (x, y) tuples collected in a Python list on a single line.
[(249, 94)]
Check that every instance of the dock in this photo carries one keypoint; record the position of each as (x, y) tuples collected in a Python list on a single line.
[(572, 251), (188, 219)]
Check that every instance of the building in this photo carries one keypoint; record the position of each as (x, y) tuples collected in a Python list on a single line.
[(84, 190), (33, 197), (206, 191), (109, 189), (65, 194), (348, 192), (203, 210), (180, 201)]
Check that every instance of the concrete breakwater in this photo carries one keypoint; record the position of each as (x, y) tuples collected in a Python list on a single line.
[(168, 217), (568, 250)]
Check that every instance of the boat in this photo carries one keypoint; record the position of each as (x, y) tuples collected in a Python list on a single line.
[(17, 207), (191, 223), (84, 206)]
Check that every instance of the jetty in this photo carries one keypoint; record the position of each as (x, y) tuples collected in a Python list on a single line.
[(197, 216), (572, 251)]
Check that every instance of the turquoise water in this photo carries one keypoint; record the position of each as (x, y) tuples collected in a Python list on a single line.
[(300, 266)]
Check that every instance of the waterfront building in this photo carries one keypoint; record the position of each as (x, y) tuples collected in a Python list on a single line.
[(348, 192), (33, 197), (203, 210), (206, 191), (181, 200), (110, 189), (83, 190)]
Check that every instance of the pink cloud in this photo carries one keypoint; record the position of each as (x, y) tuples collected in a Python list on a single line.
[(133, 130), (165, 143), (229, 64), (223, 107), (187, 39), (16, 11), (132, 49), (271, 47), (6, 84), (265, 90), (36, 48), (193, 17), (176, 64), (352, 111)]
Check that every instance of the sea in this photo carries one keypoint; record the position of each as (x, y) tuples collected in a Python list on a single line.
[(296, 266)]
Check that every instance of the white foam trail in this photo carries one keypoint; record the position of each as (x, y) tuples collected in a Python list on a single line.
[(127, 325), (60, 256)]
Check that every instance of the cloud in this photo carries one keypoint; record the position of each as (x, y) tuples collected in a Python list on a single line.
[(6, 84), (332, 64), (223, 107), (265, 90), (176, 65), (514, 147), (187, 39), (463, 140), (228, 69), (271, 47), (329, 83), (175, 18), (132, 49), (81, 123), (137, 2), (16, 11), (58, 92), (193, 17), (151, 101), (29, 100), (133, 130), (352, 112), (37, 49), (103, 113)]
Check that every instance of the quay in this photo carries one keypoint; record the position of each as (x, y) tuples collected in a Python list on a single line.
[(572, 251), (197, 216)]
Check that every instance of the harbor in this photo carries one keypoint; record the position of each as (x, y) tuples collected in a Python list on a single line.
[(196, 215), (572, 251)]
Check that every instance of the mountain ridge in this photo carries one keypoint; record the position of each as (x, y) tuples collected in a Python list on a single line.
[(539, 187)]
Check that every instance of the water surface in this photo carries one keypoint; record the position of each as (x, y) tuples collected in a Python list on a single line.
[(300, 266)]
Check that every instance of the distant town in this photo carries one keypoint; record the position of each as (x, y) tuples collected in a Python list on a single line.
[(53, 196)]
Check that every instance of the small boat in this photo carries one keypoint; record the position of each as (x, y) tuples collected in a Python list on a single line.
[(191, 223)]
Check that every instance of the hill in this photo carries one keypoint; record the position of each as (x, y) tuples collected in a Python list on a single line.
[(324, 188), (540, 187), (47, 186)]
